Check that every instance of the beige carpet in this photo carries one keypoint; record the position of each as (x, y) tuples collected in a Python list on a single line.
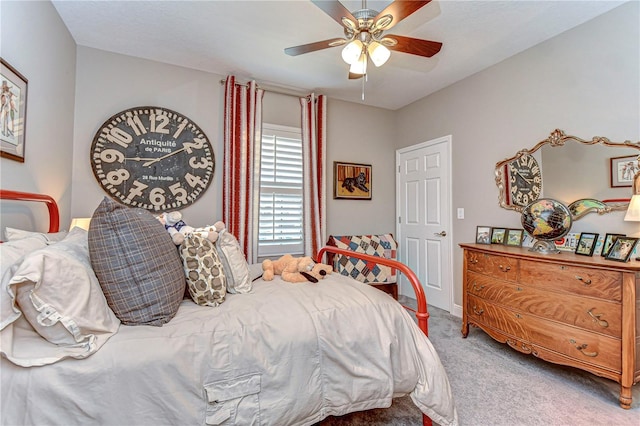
[(495, 385)]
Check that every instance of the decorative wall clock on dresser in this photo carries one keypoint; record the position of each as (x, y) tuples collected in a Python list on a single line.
[(152, 158), (524, 180)]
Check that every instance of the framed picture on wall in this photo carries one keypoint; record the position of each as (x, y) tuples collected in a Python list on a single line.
[(352, 181), (13, 112), (622, 170)]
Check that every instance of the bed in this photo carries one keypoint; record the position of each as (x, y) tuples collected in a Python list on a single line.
[(280, 354)]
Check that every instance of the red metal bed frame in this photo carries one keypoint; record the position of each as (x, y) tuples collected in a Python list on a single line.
[(421, 313)]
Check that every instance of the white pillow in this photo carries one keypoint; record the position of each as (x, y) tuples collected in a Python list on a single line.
[(13, 234), (12, 252), (235, 264), (60, 296)]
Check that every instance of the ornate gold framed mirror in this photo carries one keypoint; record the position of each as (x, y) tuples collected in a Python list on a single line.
[(575, 171)]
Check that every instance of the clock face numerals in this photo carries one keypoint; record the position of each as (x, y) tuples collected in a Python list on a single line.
[(525, 180), (152, 158)]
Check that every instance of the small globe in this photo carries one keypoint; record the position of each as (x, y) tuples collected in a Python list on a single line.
[(546, 219)]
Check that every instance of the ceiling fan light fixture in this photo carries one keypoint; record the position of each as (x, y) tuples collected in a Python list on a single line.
[(352, 52), (378, 53), (360, 66)]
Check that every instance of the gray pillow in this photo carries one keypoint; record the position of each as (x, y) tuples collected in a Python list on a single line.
[(137, 264)]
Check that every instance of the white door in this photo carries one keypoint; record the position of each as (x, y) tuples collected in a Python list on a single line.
[(423, 206)]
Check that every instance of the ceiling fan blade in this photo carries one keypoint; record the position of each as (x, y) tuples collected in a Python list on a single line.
[(312, 47), (399, 9), (335, 9), (414, 46), (354, 76)]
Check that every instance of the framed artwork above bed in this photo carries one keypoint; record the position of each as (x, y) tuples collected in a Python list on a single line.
[(13, 112)]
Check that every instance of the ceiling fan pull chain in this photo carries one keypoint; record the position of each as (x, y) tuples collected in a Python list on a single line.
[(363, 81)]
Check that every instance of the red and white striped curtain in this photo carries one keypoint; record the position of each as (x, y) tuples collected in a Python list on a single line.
[(240, 179), (314, 118)]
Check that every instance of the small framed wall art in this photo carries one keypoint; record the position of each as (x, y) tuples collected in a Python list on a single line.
[(352, 181), (13, 112), (586, 244), (514, 237), (498, 235), (622, 249), (622, 170), (483, 235), (609, 239)]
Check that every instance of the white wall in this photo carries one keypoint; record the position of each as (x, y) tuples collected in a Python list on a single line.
[(358, 134), (108, 83), (366, 135), (584, 81), (36, 43)]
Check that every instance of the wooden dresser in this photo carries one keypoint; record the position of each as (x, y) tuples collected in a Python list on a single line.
[(574, 310)]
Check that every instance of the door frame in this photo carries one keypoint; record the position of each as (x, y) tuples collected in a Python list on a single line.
[(449, 220)]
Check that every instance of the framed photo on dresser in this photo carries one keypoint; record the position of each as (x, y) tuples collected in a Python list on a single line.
[(514, 237), (498, 235), (586, 244), (622, 249), (483, 234), (609, 239)]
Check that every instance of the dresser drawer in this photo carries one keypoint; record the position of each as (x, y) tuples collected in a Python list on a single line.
[(502, 267), (579, 344), (572, 279), (591, 314)]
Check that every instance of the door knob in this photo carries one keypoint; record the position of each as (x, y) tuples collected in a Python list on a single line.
[(440, 234)]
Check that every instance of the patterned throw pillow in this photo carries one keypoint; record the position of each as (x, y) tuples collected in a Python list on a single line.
[(383, 245), (137, 264), (206, 279)]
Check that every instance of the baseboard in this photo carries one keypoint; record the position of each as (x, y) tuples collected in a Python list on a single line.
[(457, 311)]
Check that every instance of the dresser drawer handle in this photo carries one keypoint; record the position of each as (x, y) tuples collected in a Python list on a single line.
[(596, 318), (582, 348), (473, 261), (505, 268), (476, 287), (587, 281), (477, 311)]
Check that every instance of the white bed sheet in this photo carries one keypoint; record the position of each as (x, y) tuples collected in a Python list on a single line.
[(284, 354)]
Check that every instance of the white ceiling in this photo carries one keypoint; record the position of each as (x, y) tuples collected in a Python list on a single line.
[(248, 38)]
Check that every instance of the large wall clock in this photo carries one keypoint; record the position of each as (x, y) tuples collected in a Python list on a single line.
[(524, 180), (152, 158)]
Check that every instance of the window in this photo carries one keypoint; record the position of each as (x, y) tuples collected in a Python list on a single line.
[(280, 227)]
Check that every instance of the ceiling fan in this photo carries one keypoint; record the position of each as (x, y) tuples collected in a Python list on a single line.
[(364, 35)]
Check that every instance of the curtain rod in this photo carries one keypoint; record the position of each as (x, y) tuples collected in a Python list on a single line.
[(223, 81)]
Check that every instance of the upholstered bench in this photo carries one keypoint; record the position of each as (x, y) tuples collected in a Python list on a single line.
[(379, 276)]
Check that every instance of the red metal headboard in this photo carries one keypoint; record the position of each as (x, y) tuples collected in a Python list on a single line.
[(54, 213)]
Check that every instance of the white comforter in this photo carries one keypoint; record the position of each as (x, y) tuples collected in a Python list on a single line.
[(285, 354)]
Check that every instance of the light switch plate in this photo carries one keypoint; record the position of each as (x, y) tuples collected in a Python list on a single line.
[(460, 213)]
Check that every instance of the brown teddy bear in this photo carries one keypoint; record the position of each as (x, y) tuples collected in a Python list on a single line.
[(294, 270), (319, 271), (272, 268)]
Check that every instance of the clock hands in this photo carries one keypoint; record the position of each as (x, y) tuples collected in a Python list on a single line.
[(524, 178), (155, 160), (139, 158)]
